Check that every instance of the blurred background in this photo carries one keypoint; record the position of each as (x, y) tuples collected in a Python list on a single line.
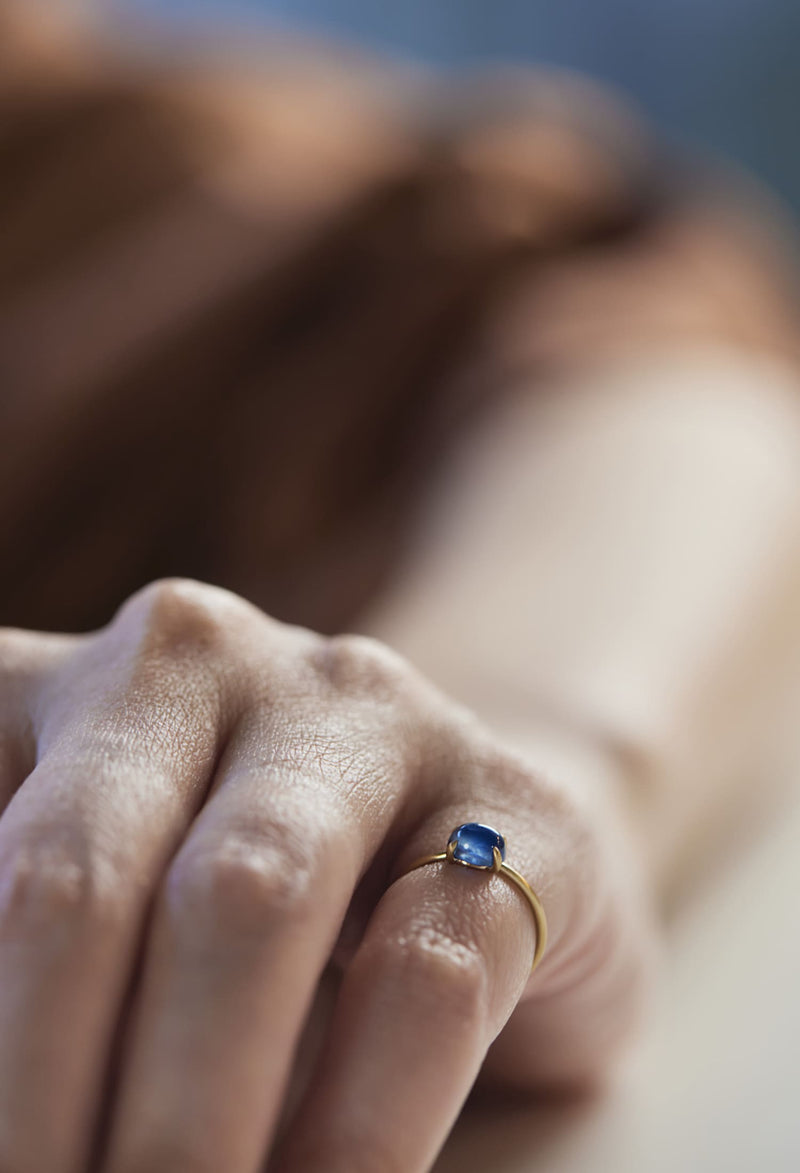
[(724, 74)]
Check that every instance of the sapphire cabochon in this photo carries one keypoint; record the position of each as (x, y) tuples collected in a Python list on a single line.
[(474, 843)]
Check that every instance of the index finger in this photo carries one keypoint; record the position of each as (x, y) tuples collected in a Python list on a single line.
[(124, 762)]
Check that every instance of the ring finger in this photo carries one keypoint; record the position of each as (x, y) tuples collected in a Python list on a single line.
[(445, 959), (79, 855)]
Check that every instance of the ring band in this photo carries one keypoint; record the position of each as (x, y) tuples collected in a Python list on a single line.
[(474, 845)]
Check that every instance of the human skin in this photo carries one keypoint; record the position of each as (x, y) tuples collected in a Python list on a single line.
[(197, 798), (204, 806)]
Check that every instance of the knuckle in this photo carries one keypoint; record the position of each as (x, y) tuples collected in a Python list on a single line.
[(46, 884), (562, 814), (244, 883), (191, 650), (436, 967), (181, 615), (182, 611), (357, 664)]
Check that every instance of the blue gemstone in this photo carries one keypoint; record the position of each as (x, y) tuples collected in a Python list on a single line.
[(475, 843)]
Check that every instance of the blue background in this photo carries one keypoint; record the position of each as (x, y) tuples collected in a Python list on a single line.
[(723, 73)]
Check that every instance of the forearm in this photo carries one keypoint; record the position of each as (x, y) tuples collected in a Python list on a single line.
[(617, 565)]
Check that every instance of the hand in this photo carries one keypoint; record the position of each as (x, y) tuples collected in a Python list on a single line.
[(198, 803)]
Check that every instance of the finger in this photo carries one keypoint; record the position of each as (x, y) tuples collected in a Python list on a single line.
[(24, 658), (249, 916), (445, 959), (124, 762)]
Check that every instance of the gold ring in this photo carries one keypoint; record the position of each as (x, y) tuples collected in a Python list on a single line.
[(474, 845)]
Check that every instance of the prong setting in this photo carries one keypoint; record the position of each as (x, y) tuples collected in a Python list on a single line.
[(476, 845)]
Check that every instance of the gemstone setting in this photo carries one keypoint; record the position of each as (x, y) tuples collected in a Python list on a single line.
[(473, 844)]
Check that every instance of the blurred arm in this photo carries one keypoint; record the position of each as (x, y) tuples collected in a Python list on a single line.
[(612, 579)]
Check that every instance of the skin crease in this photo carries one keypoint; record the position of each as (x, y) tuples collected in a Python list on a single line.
[(192, 796)]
